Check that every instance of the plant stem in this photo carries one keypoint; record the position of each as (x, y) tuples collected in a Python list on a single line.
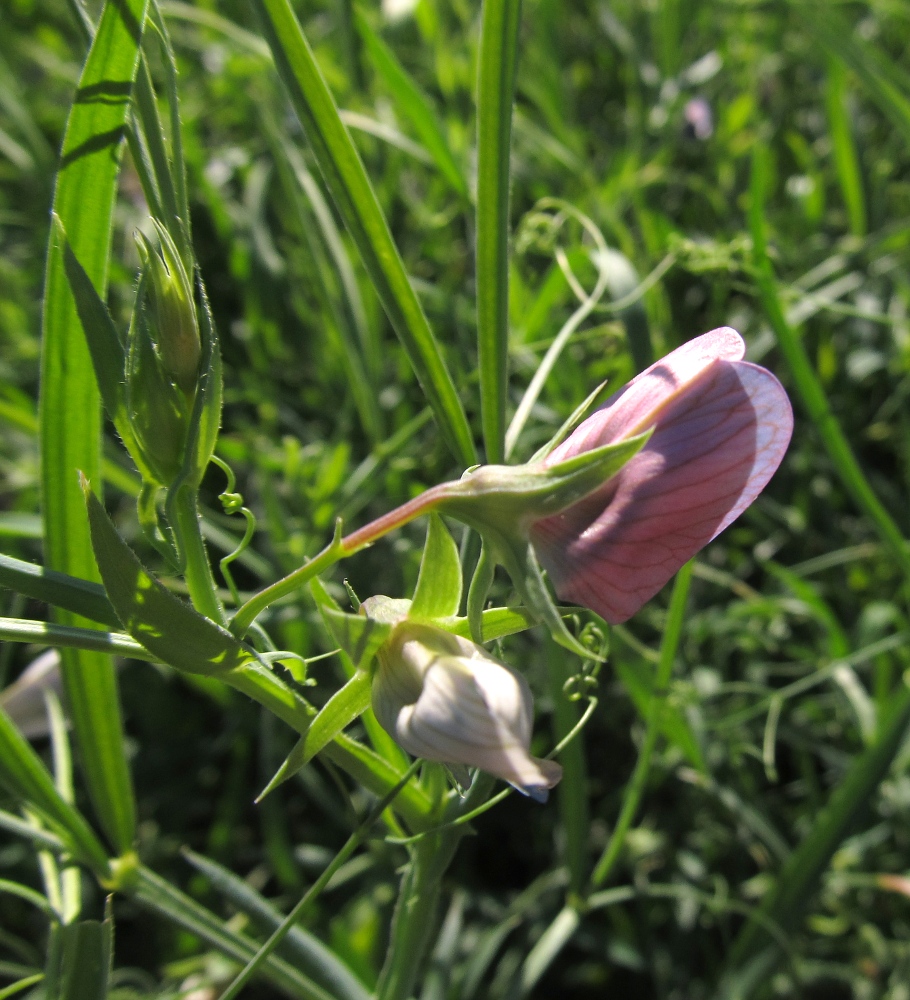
[(414, 917), (198, 571), (350, 845), (339, 548), (635, 788), (414, 922), (46, 634)]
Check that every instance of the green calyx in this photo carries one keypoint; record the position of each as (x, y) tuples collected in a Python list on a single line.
[(506, 499), (502, 502)]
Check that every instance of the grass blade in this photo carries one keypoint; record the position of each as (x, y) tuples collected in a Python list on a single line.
[(24, 775), (70, 412), (845, 158), (306, 949), (808, 383), (797, 881), (413, 104), (496, 93), (347, 180), (154, 893), (86, 960), (71, 636), (79, 596)]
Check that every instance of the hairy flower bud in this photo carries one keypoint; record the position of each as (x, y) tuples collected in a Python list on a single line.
[(172, 310), (446, 699)]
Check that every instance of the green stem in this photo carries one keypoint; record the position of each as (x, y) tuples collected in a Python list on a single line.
[(414, 922), (197, 569), (635, 788), (414, 919), (339, 548), (45, 634), (310, 896), (498, 61)]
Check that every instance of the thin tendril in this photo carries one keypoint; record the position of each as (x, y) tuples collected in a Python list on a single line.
[(232, 502)]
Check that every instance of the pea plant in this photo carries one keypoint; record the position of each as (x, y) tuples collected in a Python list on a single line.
[(426, 719)]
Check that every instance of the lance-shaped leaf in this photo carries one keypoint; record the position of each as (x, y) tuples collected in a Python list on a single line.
[(167, 627), (352, 632), (345, 705), (438, 593), (104, 343), (346, 179), (360, 637)]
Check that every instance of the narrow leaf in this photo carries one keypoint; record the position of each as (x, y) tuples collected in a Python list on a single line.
[(379, 777), (166, 626), (345, 705), (70, 636), (86, 960), (27, 779), (154, 893), (364, 646), (438, 593), (83, 597), (69, 403), (496, 93), (347, 180), (307, 951)]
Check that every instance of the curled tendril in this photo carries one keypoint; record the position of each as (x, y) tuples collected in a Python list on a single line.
[(232, 503), (583, 684)]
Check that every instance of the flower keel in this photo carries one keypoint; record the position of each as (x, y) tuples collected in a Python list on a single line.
[(446, 699)]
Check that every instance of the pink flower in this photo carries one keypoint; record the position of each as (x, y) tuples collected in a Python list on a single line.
[(720, 429)]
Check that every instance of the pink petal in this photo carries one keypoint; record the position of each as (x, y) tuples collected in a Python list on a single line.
[(634, 408), (721, 430)]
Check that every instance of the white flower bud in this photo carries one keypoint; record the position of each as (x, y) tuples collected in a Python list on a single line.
[(446, 699)]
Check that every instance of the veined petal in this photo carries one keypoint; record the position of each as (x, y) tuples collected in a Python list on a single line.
[(445, 699), (638, 404), (718, 438)]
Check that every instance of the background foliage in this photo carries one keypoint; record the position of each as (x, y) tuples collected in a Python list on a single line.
[(794, 641)]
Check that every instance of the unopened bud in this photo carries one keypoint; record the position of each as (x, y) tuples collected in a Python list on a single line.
[(172, 310), (157, 409), (446, 699)]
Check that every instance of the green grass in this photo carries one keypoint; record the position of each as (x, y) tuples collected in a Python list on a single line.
[(385, 279)]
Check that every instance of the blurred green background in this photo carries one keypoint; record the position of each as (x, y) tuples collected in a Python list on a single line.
[(646, 118)]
